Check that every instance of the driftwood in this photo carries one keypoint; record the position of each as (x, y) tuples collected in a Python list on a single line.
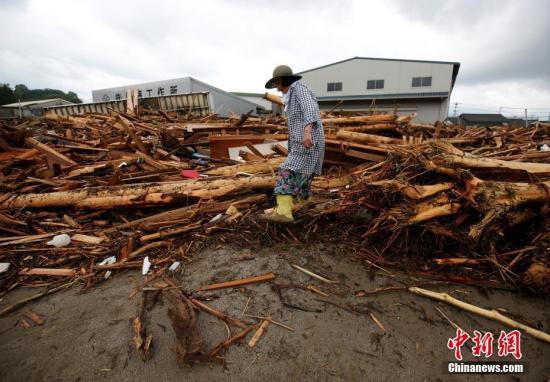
[(490, 314), (231, 284)]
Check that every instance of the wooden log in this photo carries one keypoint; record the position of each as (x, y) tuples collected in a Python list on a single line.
[(478, 162), (414, 191), (457, 158), (490, 314), (382, 149), (274, 98), (269, 165), (47, 272), (459, 261), (421, 126), (188, 211), (367, 118), (234, 283), (365, 138), (374, 127), (364, 156), (487, 195), (52, 154), (433, 209), (169, 232), (138, 194)]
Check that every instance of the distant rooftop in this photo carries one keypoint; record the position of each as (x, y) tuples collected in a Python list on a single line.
[(29, 103), (483, 118)]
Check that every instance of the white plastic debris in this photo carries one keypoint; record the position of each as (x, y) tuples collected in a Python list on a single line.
[(60, 240), (108, 261), (146, 266), (4, 267), (122, 164), (108, 274), (175, 265), (545, 147), (216, 218)]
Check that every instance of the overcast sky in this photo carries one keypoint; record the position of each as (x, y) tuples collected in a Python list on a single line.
[(90, 44)]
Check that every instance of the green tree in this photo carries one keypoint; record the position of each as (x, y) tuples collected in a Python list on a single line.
[(21, 92), (6, 94)]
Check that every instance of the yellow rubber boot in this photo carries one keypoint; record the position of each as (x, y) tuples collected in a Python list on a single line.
[(282, 213)]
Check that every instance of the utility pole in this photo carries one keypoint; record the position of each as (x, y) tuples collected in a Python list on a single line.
[(526, 121), (456, 105)]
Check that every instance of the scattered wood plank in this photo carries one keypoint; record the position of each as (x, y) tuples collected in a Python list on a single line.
[(234, 283), (256, 337)]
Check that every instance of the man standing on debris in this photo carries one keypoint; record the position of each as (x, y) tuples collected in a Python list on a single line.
[(306, 145)]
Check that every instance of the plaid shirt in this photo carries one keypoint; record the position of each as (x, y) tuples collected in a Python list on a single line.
[(302, 109)]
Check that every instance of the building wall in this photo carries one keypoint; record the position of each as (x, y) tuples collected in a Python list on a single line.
[(427, 110), (397, 76), (222, 102)]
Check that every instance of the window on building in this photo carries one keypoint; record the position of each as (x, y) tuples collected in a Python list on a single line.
[(334, 86), (117, 96), (174, 89), (375, 84), (418, 82)]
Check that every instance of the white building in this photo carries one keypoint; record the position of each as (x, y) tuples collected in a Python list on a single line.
[(362, 83), (223, 103)]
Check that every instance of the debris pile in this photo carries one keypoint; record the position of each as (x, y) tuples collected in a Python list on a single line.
[(472, 198)]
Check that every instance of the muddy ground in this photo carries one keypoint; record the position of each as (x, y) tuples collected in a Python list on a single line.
[(87, 333)]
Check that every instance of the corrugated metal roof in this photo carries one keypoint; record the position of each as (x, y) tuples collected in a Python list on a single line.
[(28, 103)]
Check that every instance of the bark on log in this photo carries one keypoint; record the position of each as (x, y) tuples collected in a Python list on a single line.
[(375, 127), (138, 194), (250, 168), (365, 138), (274, 98), (367, 118), (150, 193)]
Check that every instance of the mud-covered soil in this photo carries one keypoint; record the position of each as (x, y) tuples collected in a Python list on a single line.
[(87, 333)]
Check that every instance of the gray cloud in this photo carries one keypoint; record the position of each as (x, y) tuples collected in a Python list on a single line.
[(91, 44), (496, 39)]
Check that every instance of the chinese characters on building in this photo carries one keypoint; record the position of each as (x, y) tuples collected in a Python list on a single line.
[(160, 91)]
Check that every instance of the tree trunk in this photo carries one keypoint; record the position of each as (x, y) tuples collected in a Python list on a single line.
[(365, 138)]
